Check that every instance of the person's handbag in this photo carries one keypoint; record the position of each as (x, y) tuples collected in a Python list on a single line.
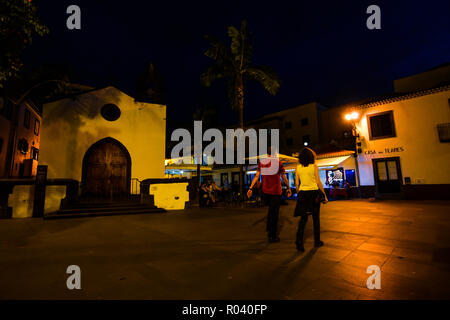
[(321, 197)]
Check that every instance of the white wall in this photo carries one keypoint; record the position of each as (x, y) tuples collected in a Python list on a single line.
[(423, 155)]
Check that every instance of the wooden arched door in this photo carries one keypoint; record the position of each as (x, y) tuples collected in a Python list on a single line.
[(106, 169)]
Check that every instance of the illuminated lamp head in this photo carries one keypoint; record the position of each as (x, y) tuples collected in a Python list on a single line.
[(352, 116), (355, 115)]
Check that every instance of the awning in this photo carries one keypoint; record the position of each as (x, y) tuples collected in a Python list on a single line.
[(187, 167), (335, 154), (283, 158), (331, 162)]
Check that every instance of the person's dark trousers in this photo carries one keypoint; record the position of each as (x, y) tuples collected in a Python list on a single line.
[(272, 216), (316, 225)]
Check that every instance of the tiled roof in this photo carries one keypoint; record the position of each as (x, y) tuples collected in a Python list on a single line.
[(404, 96)]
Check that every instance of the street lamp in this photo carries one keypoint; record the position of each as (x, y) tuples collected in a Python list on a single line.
[(353, 116)]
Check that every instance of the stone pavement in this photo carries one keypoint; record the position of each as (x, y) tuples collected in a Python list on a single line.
[(222, 253)]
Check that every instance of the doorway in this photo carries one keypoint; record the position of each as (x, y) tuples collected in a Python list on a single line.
[(106, 169), (224, 179), (388, 176)]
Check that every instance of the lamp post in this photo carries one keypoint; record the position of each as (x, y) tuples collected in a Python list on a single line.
[(352, 117)]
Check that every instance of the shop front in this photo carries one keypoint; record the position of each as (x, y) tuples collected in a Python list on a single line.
[(187, 171), (337, 171), (382, 173)]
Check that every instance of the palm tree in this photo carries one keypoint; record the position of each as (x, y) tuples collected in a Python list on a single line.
[(234, 63)]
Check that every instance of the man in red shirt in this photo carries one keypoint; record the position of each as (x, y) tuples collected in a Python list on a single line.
[(270, 170)]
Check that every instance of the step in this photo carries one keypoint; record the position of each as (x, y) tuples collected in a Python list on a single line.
[(84, 214), (82, 205), (85, 202), (106, 208)]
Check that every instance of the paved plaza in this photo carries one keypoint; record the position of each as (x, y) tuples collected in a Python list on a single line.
[(222, 253)]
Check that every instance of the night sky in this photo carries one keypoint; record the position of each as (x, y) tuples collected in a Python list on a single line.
[(322, 51)]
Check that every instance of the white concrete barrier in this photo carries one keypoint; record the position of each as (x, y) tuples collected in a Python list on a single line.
[(170, 196), (21, 201)]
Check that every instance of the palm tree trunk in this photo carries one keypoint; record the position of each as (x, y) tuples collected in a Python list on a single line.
[(240, 90), (198, 182)]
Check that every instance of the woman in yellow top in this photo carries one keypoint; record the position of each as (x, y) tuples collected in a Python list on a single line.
[(310, 194)]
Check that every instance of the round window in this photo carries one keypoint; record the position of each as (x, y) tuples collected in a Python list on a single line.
[(110, 112)]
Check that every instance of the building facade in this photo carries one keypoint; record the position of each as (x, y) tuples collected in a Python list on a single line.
[(401, 139), (299, 126), (20, 127), (405, 149), (104, 139)]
